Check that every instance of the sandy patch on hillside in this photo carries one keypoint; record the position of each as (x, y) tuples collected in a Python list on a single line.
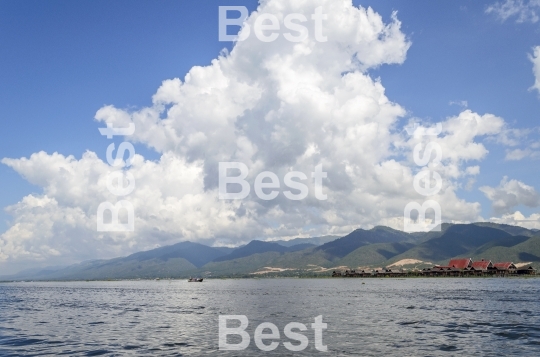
[(271, 270), (403, 262), (334, 268), (315, 268)]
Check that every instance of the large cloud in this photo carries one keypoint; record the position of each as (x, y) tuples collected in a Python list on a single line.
[(277, 106), (509, 194)]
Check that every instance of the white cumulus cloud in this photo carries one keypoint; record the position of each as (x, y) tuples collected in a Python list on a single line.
[(277, 106), (509, 194)]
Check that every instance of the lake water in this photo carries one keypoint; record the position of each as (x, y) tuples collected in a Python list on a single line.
[(382, 317)]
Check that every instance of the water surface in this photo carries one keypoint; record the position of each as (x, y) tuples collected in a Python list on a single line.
[(365, 317)]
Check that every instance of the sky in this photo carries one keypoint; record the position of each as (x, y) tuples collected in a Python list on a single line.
[(68, 68)]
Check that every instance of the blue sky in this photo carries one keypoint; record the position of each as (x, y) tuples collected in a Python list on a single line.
[(64, 60), (461, 53), (61, 61)]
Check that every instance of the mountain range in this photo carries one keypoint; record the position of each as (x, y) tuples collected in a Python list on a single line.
[(376, 247)]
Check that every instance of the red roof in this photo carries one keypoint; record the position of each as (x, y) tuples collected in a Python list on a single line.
[(504, 266), (460, 263), (482, 264)]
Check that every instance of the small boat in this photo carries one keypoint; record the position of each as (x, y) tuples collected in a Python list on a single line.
[(195, 280)]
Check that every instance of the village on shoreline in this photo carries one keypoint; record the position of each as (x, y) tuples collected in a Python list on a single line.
[(461, 267)]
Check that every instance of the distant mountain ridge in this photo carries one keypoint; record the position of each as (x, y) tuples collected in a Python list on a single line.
[(376, 247), (457, 240), (258, 247), (314, 240), (197, 254), (360, 237)]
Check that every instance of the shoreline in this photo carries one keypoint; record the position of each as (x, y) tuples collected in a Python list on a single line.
[(278, 277)]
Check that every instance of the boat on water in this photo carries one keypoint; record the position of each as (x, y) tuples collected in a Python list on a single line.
[(195, 280)]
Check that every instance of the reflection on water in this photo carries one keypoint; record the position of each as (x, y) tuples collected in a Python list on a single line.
[(383, 317)]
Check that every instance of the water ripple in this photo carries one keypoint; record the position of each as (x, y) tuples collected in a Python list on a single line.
[(390, 317)]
